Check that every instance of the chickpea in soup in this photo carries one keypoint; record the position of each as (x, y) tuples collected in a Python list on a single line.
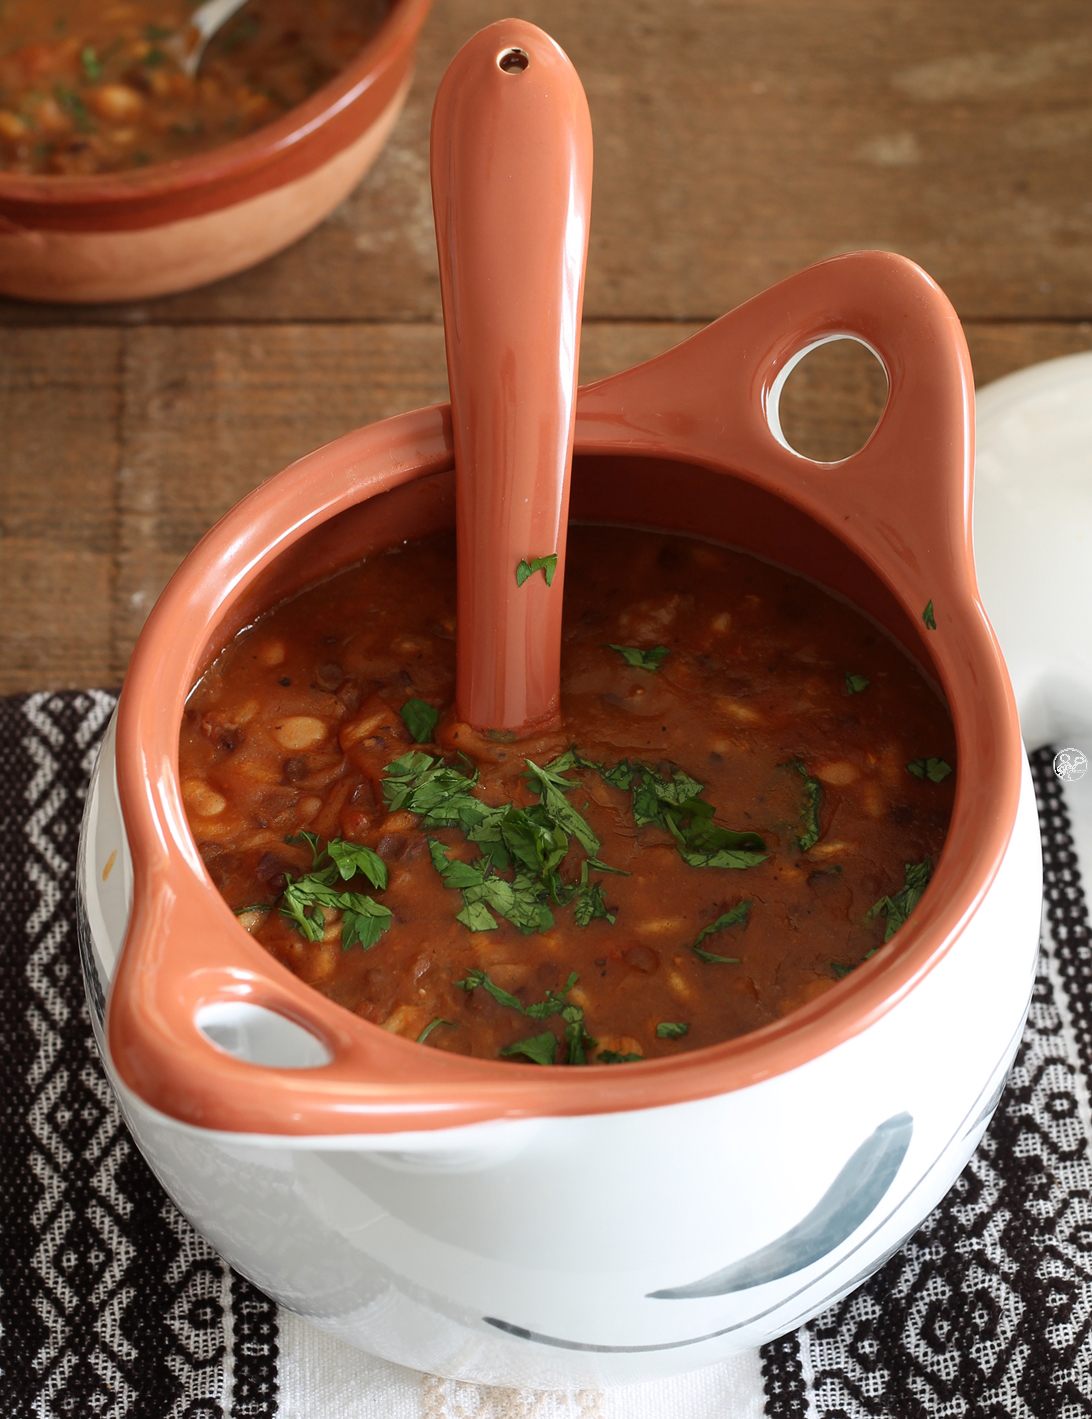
[(90, 86), (744, 800)]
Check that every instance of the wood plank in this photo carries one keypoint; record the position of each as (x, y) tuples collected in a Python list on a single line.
[(59, 403), (737, 142), (121, 448)]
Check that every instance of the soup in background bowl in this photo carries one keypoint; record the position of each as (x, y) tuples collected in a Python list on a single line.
[(121, 178), (494, 1219)]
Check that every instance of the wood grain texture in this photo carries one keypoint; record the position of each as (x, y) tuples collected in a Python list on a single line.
[(737, 141), (122, 447), (59, 458)]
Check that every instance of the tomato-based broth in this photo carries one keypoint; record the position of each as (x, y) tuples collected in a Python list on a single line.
[(744, 800), (88, 86)]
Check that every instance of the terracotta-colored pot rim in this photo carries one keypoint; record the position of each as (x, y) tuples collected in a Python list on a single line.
[(914, 534), (233, 160)]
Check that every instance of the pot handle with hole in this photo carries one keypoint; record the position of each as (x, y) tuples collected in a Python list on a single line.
[(902, 501)]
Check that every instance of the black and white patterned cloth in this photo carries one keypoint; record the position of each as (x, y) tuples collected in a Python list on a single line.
[(111, 1307)]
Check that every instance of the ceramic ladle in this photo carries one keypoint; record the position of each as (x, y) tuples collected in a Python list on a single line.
[(511, 191)]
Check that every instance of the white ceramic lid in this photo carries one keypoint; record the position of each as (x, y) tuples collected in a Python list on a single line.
[(1033, 541)]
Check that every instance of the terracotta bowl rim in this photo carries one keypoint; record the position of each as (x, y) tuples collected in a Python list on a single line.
[(239, 156)]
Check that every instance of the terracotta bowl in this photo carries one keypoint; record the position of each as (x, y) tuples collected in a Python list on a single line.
[(172, 226), (513, 1224)]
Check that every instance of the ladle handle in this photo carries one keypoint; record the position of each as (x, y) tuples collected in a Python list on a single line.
[(511, 190)]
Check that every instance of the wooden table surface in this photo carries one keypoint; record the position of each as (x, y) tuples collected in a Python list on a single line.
[(736, 140)]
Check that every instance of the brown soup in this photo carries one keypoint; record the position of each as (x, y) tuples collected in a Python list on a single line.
[(744, 800), (90, 86)]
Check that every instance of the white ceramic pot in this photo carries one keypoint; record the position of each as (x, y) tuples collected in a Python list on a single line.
[(516, 1225)]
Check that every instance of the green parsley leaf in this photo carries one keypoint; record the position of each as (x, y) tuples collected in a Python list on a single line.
[(253, 907), (432, 1024), (611, 1056), (546, 565), (473, 979), (855, 683), (420, 719), (736, 917), (476, 916), (552, 788), (423, 784), (814, 797), (588, 905), (363, 921), (554, 1004), (671, 1030), (539, 1049), (576, 1035), (306, 839), (935, 770), (840, 970), (596, 865), (351, 858), (71, 102), (153, 59), (928, 617), (90, 62), (670, 799), (898, 907), (638, 659)]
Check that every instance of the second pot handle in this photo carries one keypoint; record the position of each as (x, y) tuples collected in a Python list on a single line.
[(903, 501)]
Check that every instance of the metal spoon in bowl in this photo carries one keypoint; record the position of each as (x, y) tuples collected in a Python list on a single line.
[(189, 47)]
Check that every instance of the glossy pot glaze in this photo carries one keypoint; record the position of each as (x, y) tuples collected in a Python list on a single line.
[(172, 226), (518, 1225)]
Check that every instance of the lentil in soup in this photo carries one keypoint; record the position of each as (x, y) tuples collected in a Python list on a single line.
[(90, 86), (744, 799)]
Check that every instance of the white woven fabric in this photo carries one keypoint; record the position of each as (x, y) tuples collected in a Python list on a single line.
[(322, 1378)]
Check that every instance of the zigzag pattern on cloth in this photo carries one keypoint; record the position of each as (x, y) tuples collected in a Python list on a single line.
[(111, 1306), (987, 1310)]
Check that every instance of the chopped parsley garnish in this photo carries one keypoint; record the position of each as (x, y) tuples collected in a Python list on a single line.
[(554, 1004), (813, 798), (897, 908), (71, 102), (153, 59), (935, 770), (928, 617), (552, 787), (539, 1049), (253, 907), (855, 683), (611, 1056), (439, 794), (542, 1049), (90, 62), (484, 892), (546, 565), (649, 660), (576, 1035), (670, 799), (420, 719), (531, 841), (363, 919), (432, 1024), (671, 1030), (841, 970), (736, 917)]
